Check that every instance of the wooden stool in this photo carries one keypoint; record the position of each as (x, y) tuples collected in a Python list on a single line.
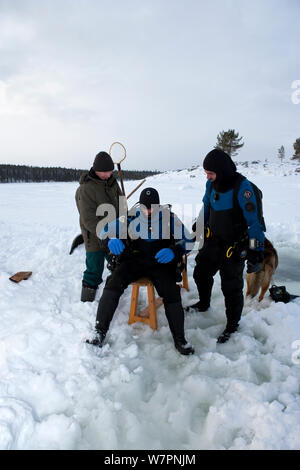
[(148, 314), (185, 281)]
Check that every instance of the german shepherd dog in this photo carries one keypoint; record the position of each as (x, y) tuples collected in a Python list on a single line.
[(262, 279)]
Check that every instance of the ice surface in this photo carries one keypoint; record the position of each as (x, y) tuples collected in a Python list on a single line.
[(138, 392)]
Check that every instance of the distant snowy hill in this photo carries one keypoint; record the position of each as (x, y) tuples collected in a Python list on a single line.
[(56, 392)]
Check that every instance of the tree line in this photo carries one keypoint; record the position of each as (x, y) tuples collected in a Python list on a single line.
[(34, 174), (296, 156), (230, 142)]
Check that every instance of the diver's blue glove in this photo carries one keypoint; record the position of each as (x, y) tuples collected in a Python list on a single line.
[(165, 255), (116, 246)]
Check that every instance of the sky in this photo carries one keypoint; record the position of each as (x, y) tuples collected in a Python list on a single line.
[(163, 77)]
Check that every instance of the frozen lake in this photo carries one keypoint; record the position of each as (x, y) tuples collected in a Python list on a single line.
[(56, 392)]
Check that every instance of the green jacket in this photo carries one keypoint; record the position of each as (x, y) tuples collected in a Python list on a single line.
[(91, 193)]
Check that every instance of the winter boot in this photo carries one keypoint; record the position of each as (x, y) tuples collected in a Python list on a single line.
[(175, 316), (106, 308), (98, 339), (88, 293), (198, 306), (224, 337), (183, 346)]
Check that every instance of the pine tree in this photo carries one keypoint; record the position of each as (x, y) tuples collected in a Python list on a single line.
[(230, 142), (296, 146), (281, 153)]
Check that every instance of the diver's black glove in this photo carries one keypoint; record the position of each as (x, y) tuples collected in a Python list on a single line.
[(254, 261)]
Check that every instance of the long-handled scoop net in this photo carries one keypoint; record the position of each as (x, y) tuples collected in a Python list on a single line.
[(117, 152)]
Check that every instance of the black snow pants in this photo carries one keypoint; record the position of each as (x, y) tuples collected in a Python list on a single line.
[(164, 280), (212, 258)]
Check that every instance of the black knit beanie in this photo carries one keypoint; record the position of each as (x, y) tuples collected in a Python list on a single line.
[(103, 162), (149, 196)]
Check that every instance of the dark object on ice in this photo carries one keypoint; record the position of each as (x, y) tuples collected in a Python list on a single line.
[(76, 242), (88, 293), (280, 294), (20, 276)]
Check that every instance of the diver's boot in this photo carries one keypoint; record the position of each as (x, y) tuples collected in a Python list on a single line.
[(224, 337), (98, 339), (88, 293)]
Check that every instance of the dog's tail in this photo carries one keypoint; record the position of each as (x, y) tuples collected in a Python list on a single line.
[(275, 259), (76, 242)]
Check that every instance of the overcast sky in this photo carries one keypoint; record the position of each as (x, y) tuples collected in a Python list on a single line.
[(163, 77)]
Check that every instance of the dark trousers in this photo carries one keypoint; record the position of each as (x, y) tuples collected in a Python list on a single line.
[(212, 258), (164, 280)]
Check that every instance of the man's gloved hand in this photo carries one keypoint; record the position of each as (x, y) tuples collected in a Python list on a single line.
[(165, 255), (116, 246), (254, 261)]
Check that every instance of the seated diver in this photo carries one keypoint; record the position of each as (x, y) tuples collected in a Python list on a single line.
[(149, 244)]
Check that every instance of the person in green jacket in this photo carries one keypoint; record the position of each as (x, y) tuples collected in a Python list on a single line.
[(97, 187)]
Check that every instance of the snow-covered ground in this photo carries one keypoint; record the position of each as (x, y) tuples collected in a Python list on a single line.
[(138, 392)]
